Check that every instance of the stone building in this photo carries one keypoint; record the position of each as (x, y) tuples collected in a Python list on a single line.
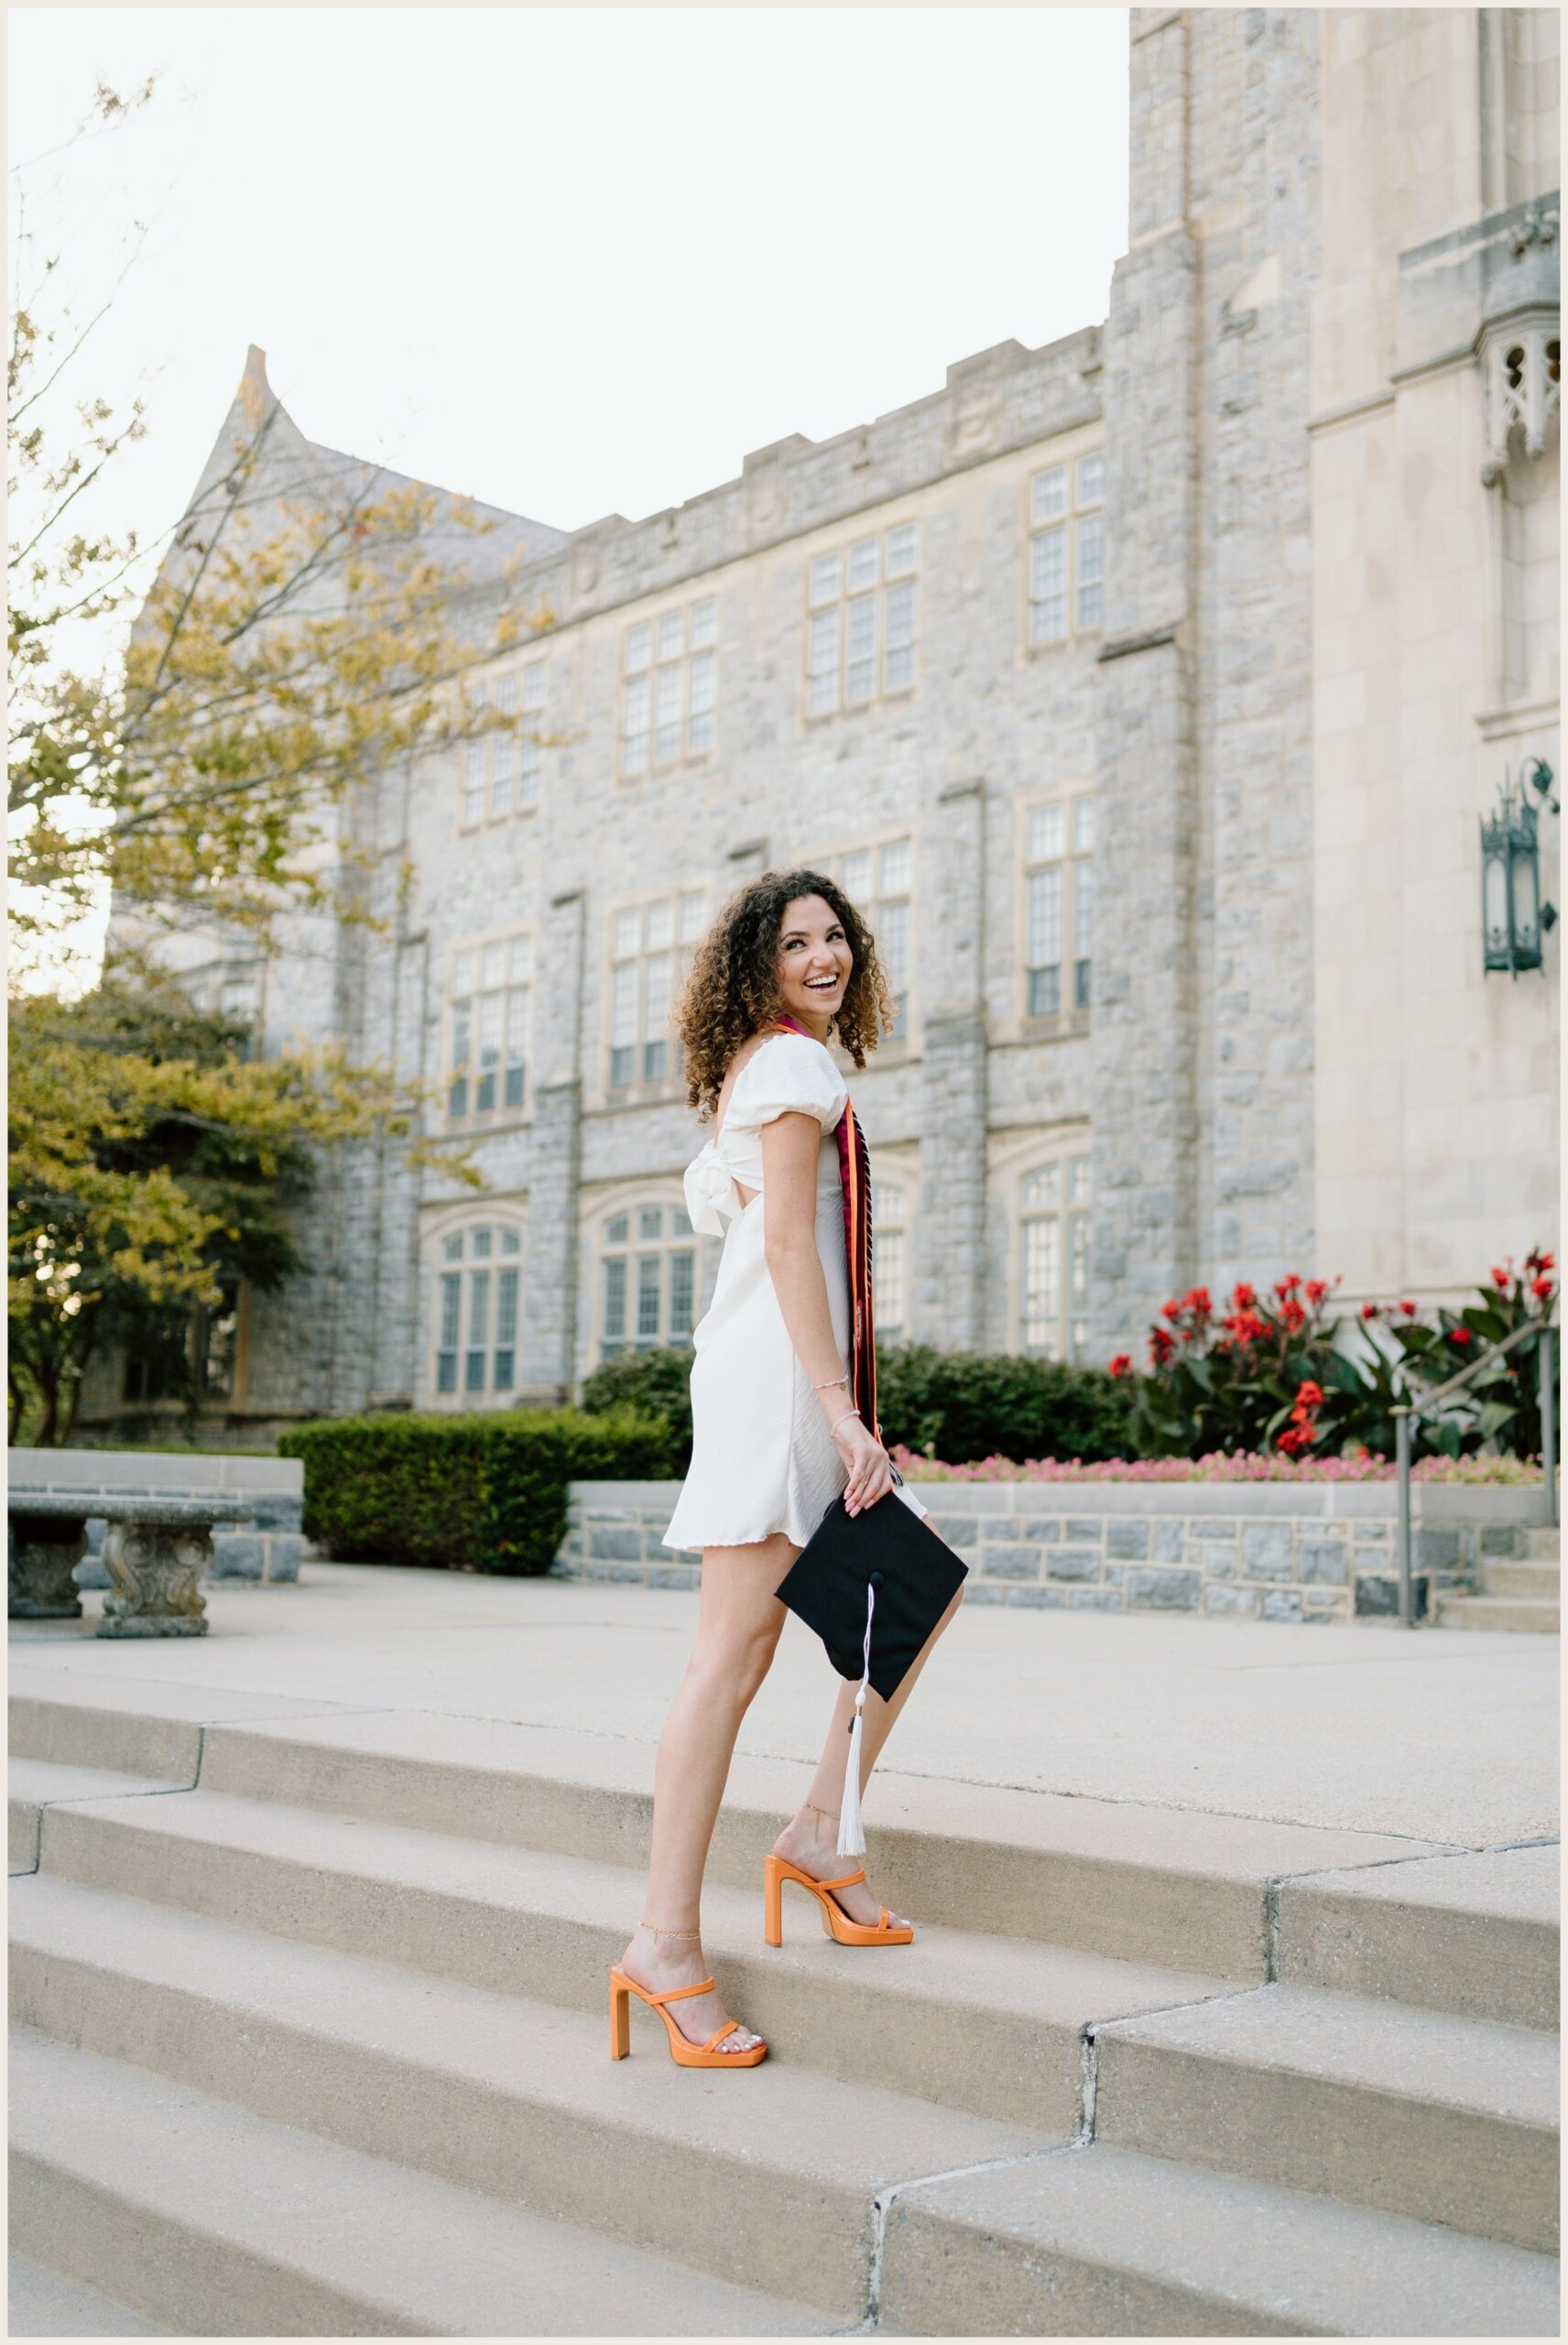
[(1148, 690)]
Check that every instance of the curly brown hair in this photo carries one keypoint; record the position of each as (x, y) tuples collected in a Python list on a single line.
[(732, 993)]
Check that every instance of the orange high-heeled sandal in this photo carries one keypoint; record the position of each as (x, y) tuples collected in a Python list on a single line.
[(683, 2051), (836, 1921)]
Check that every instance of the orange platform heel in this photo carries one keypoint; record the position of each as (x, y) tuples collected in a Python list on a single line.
[(776, 1870), (683, 2051)]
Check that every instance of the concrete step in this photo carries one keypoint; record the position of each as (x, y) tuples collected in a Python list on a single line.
[(41, 2304), (1519, 1615), (33, 1785), (1105, 2242), (992, 2025), (1536, 1580), (1176, 1888), (220, 2223), (150, 1726), (1475, 1934), (1450, 2121), (766, 2176), (1543, 1542)]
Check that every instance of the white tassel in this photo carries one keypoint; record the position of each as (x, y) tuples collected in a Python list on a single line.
[(851, 1833)]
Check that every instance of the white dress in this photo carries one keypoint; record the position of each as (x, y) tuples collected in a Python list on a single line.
[(762, 1456)]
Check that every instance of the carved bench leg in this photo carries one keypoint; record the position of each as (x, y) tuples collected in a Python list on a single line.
[(156, 1570), (45, 1550)]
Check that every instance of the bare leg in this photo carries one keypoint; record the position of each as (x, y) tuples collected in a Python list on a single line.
[(809, 1839), (738, 1625)]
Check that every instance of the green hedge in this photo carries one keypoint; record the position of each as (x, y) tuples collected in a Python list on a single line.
[(962, 1405), (466, 1493)]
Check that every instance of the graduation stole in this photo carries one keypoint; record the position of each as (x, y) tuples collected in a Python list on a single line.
[(854, 1182)]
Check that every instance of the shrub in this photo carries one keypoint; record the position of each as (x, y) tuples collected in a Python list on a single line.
[(465, 1493), (657, 1383), (968, 1405), (1281, 1372)]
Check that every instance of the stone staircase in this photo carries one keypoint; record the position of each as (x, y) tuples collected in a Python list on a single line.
[(311, 2037), (1517, 1594)]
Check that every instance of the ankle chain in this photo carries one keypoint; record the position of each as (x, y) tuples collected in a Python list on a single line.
[(828, 1812), (668, 1934)]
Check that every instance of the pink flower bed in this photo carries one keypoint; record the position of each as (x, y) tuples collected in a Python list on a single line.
[(1247, 1467)]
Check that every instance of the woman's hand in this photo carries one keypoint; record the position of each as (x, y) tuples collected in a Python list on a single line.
[(870, 1467)]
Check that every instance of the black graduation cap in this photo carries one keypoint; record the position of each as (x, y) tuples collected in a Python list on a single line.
[(873, 1585)]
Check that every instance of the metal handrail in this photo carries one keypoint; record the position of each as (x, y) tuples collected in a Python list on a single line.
[(1406, 1413)]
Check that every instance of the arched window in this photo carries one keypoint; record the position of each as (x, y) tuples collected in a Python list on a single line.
[(477, 1301), (648, 1278), (890, 1260), (1053, 1258)]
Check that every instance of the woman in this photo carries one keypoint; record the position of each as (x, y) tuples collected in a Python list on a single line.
[(775, 1435)]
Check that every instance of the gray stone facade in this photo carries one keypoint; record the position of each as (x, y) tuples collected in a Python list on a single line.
[(1192, 1079)]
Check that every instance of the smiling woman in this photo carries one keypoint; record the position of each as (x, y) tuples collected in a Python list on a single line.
[(780, 1379)]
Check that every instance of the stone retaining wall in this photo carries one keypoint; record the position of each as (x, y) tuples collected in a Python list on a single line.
[(1268, 1551)]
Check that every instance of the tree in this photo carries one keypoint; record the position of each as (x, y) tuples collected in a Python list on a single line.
[(204, 763), (152, 1161)]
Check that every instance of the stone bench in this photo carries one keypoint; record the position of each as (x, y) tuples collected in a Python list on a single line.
[(163, 1523)]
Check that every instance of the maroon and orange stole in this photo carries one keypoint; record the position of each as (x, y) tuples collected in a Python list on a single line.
[(855, 1179)]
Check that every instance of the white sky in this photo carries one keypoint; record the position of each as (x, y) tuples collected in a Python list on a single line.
[(571, 260)]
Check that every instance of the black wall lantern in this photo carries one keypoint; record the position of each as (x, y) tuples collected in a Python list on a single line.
[(1513, 918)]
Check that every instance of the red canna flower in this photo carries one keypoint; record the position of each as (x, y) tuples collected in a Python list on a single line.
[(1197, 1299), (1500, 1279), (1161, 1346), (1316, 1289), (1243, 1296), (1292, 1315), (1368, 1311), (1122, 1364), (1408, 1309), (1309, 1395), (1172, 1310), (1541, 1289), (1535, 1260), (1286, 1285), (1460, 1335)]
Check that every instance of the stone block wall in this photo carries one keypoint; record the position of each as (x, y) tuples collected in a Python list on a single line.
[(1259, 1552)]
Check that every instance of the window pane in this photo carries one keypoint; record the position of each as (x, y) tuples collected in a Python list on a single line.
[(655, 997), (680, 1222), (823, 658), (516, 1019), (682, 1282), (660, 924), (704, 623), (893, 942), (452, 1251), (493, 965), (457, 1097), (1045, 991), (903, 546), (865, 563), (1091, 479), (887, 1284), (1044, 933), (650, 1221), (647, 1298), (450, 1306), (481, 1246), (460, 1034), (701, 695), (638, 645), (511, 1243), (623, 1004), (1089, 553), (615, 1299), (1048, 562), (899, 611), (893, 869), (824, 578), (462, 973), (690, 918), (533, 688), (622, 1064), (1047, 832), (506, 696), (887, 1202), (505, 1363), (628, 935), (1082, 911), (1077, 1180), (506, 1307), (1044, 1188), (1084, 825), (446, 1372), (667, 715), (1042, 1276), (618, 1230), (514, 1086), (1049, 494), (855, 874), (672, 634), (654, 1061)]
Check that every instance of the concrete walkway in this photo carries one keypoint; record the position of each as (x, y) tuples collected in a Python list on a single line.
[(1437, 1735)]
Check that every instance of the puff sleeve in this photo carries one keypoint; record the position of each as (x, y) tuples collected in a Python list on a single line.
[(711, 1199), (790, 1075)]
